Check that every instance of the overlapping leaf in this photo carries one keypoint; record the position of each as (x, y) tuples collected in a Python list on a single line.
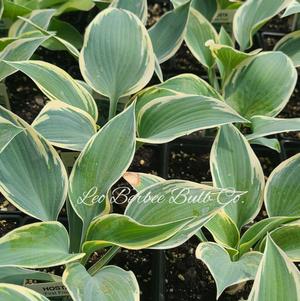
[(10, 292), (32, 176), (263, 86), (57, 84), (244, 174), (225, 271), (188, 83), (138, 7), (41, 18), (110, 283), (37, 245), (65, 126), (287, 238), (259, 230), (252, 15), (289, 45), (175, 200), (265, 126), (123, 231), (275, 267), (8, 131), (117, 58), (292, 8), (21, 49), (199, 31), (282, 194), (228, 57), (17, 276), (271, 143), (168, 33), (180, 115), (98, 167)]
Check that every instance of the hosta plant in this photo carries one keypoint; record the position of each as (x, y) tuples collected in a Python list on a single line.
[(118, 59)]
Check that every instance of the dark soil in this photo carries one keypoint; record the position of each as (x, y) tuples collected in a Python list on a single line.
[(268, 158), (7, 225), (189, 162), (277, 24), (156, 10), (5, 206)]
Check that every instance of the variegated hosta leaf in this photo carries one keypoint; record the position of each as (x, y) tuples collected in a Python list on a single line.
[(13, 10), (190, 84), (168, 33), (292, 8), (117, 58), (181, 115), (199, 31), (41, 18), (260, 229), (8, 131), (206, 8), (252, 15), (225, 271), (225, 38), (140, 181), (287, 238), (57, 84), (32, 176), (282, 194), (54, 42), (290, 45), (177, 85), (175, 200), (37, 245), (273, 143), (16, 275), (67, 32), (41, 22), (74, 5), (149, 94), (4, 42), (110, 283), (224, 231), (265, 126), (234, 164), (11, 292), (138, 7), (65, 126), (228, 57), (229, 4), (21, 49), (103, 161), (263, 86), (123, 231), (275, 267)]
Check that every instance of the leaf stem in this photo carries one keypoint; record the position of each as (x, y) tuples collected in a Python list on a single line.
[(113, 105), (212, 77), (104, 260)]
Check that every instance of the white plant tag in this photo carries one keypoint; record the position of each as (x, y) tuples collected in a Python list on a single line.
[(51, 289)]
